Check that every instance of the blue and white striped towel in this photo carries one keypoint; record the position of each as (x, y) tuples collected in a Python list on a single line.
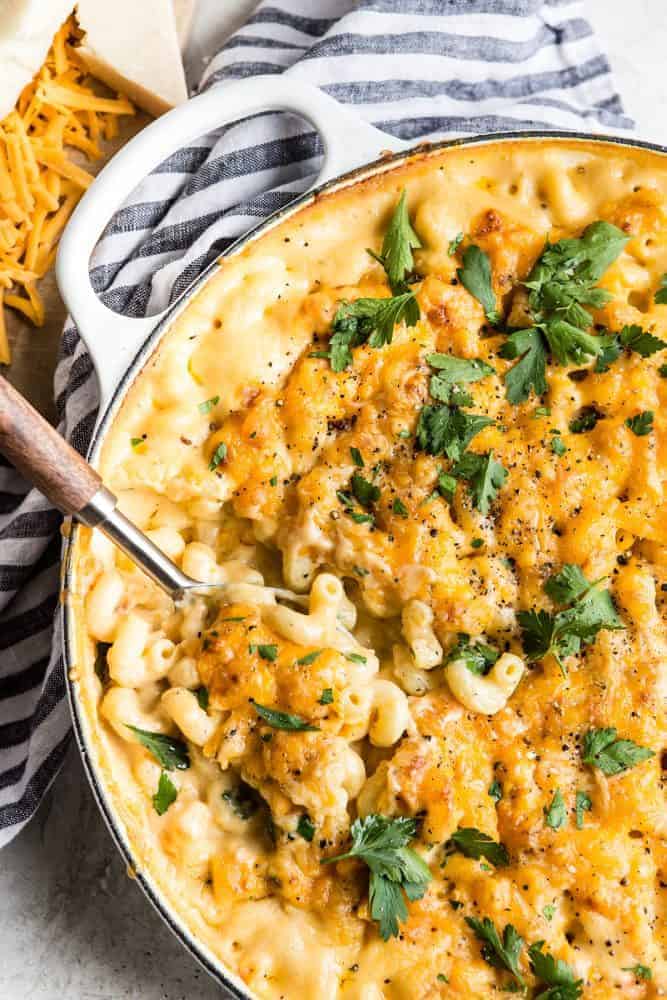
[(417, 69)]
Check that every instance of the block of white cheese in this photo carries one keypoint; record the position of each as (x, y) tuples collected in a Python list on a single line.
[(133, 46), (27, 28)]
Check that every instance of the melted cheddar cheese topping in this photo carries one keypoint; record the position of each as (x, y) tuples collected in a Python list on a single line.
[(235, 450)]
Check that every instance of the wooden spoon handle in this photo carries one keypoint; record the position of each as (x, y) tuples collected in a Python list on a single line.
[(42, 456)]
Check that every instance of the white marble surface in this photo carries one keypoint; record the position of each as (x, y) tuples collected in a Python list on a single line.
[(72, 925)]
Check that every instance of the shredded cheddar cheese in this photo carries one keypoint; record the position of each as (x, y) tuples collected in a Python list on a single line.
[(40, 183)]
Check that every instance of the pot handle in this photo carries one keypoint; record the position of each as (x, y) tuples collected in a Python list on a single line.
[(113, 340)]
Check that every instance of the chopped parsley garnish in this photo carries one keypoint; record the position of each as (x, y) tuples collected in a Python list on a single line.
[(395, 869), (611, 756), (472, 843), (453, 371), (640, 971), (399, 507), (631, 338), (662, 371), (484, 475), (555, 814), (548, 912), (305, 828), (560, 284), (585, 420), (282, 720), (446, 486), (475, 276), (477, 656), (558, 446), (501, 953), (309, 658), (208, 404), (477, 543), (447, 430), (273, 481), (171, 754), (365, 492), (266, 650), (455, 244), (495, 791), (564, 633), (356, 457), (355, 657), (243, 800), (165, 795), (553, 973), (135, 442), (399, 241), (326, 698), (369, 321), (218, 456), (201, 695), (641, 424), (582, 804), (660, 297)]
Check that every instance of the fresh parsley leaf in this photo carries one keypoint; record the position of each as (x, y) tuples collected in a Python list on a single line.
[(267, 651), (611, 350), (529, 373), (165, 795), (282, 720), (399, 241), (365, 492), (368, 321), (326, 698), (567, 585), (135, 442), (305, 828), (455, 244), (548, 912), (582, 804), (641, 971), (555, 815), (472, 843), (553, 973), (446, 430), (662, 371), (218, 456), (356, 457), (602, 750), (558, 446), (495, 791), (446, 486), (202, 697), (453, 371), (355, 657), (395, 869), (171, 754), (243, 800), (477, 656), (660, 297), (477, 543), (636, 339), (501, 954), (641, 424), (399, 508), (585, 420), (475, 276), (273, 481), (562, 279), (208, 404), (484, 475), (305, 661)]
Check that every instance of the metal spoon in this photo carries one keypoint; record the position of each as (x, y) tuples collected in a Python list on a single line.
[(45, 459)]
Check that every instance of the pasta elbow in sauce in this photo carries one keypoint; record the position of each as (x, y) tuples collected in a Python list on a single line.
[(454, 450)]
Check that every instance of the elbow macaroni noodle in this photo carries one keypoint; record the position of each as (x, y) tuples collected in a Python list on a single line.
[(300, 717)]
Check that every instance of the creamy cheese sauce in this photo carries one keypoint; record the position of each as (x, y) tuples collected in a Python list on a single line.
[(241, 368)]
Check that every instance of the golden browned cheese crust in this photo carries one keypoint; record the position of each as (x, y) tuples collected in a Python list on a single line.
[(242, 375)]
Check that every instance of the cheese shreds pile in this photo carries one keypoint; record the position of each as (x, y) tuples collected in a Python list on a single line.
[(39, 181)]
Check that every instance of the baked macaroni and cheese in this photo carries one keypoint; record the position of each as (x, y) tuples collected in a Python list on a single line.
[(433, 404)]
